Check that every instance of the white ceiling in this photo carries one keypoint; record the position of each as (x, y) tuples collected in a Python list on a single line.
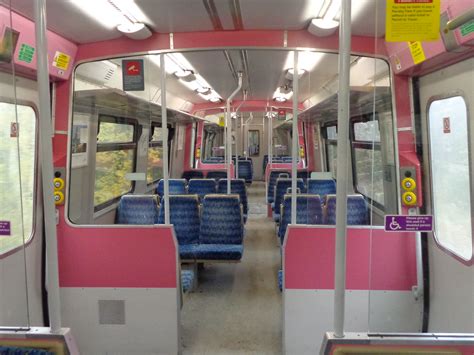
[(64, 18)]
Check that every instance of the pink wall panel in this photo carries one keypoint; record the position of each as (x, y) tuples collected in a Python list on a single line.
[(116, 257), (27, 36), (376, 260)]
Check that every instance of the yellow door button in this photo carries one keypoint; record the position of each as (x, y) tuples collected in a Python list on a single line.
[(58, 183), (408, 184), (409, 198), (58, 197)]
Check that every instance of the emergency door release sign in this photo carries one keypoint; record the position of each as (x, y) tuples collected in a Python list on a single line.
[(396, 223), (133, 75)]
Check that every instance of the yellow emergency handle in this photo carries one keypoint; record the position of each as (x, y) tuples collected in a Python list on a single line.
[(58, 198), (58, 184), (409, 198), (408, 184)]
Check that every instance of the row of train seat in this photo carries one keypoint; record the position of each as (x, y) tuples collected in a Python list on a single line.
[(310, 210), (215, 233), (203, 187)]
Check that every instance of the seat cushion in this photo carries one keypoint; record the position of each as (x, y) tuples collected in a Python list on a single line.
[(276, 217), (219, 251), (187, 251)]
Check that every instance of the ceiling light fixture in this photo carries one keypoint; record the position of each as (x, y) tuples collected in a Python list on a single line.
[(290, 73), (328, 20), (203, 90), (215, 99), (183, 73), (279, 98)]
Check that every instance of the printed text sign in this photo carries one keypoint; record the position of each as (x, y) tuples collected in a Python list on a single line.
[(395, 223), (5, 228)]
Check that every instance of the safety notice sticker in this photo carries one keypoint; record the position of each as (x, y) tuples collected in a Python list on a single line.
[(412, 20), (5, 228), (26, 53), (61, 60), (397, 223), (417, 53)]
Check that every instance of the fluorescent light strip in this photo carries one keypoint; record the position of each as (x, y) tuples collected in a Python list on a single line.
[(306, 60), (112, 13), (176, 62)]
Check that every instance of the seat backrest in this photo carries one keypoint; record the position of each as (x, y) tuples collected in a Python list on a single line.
[(221, 221), (192, 174), (217, 175), (274, 174), (175, 186), (202, 187), (308, 211), (184, 215), (245, 170), (357, 210), (322, 175), (321, 187), (137, 209), (281, 186), (237, 186)]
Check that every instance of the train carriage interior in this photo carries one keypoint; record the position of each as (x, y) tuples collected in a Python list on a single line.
[(236, 177)]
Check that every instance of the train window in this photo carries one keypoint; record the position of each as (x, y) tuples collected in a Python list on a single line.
[(367, 161), (155, 154), (254, 143), (449, 157), (17, 180), (115, 158)]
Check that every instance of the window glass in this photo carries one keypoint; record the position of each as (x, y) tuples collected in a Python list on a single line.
[(155, 156), (110, 174), (331, 132), (449, 154), (369, 173), (115, 158), (12, 186), (332, 156), (367, 131), (111, 132), (254, 143)]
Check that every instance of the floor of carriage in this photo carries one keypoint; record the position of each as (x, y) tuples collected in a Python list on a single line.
[(236, 308)]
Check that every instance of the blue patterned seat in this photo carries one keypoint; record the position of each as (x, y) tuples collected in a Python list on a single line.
[(192, 174), (321, 187), (245, 170), (137, 209), (237, 186), (187, 279), (217, 175), (202, 187), (13, 350), (357, 210), (175, 187), (280, 279), (281, 186), (221, 234), (308, 211), (184, 216), (274, 174)]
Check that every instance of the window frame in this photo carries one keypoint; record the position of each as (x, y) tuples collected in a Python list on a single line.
[(153, 144), (107, 147), (36, 180), (432, 99), (328, 142), (368, 145)]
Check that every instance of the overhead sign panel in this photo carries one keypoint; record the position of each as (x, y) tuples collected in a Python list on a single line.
[(412, 20), (133, 75)]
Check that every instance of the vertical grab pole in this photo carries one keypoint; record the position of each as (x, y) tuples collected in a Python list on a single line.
[(46, 146), (237, 150), (164, 134), (294, 141), (229, 133), (342, 163)]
